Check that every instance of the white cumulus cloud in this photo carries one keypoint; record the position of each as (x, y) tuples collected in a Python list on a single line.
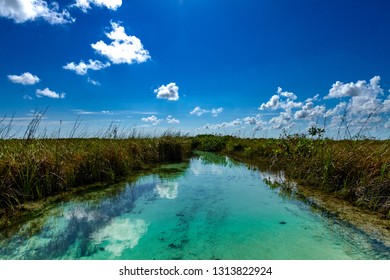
[(172, 120), (170, 92), (233, 123), (309, 111), (386, 105), (197, 111), (48, 93), (85, 5), (364, 105), (337, 110), (256, 121), (123, 48), (24, 79), (364, 110), (216, 112), (82, 68), (286, 94), (282, 121), (283, 99), (250, 120), (28, 10), (152, 120), (273, 103), (360, 88)]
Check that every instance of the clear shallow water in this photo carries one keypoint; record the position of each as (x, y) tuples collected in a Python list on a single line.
[(209, 209)]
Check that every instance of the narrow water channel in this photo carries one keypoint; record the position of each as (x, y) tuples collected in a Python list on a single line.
[(211, 208)]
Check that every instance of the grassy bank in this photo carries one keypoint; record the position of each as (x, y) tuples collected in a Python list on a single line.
[(355, 170), (37, 168)]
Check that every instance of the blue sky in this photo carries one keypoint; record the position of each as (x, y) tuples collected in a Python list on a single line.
[(248, 68)]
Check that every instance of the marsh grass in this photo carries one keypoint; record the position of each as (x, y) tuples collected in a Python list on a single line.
[(32, 169)]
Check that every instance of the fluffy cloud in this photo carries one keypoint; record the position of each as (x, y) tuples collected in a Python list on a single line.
[(364, 105), (172, 120), (364, 99), (286, 102), (337, 110), (259, 126), (290, 105), (309, 111), (199, 111), (256, 121), (152, 120), (48, 93), (272, 104), (286, 94), (123, 48), (340, 89), (85, 5), (360, 88), (250, 120), (82, 68), (216, 112), (282, 121), (276, 101), (386, 105), (170, 92), (28, 10), (236, 122), (24, 79), (365, 110)]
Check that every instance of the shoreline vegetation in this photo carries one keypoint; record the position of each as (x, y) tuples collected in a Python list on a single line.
[(33, 169)]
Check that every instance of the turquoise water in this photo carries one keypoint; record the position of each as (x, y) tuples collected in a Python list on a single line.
[(210, 208)]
